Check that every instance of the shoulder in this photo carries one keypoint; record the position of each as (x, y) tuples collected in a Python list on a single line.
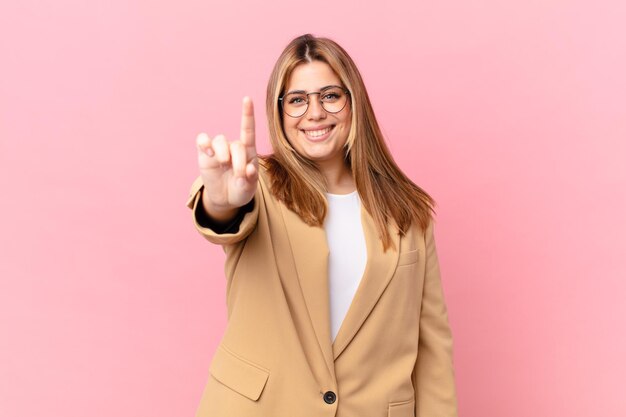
[(418, 237)]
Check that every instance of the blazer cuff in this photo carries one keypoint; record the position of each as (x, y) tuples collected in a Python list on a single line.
[(231, 227), (236, 230)]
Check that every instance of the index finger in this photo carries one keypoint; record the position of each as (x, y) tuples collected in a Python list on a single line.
[(247, 122)]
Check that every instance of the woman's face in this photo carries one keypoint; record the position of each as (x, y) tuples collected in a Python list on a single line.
[(317, 135)]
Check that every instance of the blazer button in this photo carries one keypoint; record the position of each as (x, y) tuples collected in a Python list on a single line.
[(330, 397)]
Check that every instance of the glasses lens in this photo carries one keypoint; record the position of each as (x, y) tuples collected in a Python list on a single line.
[(333, 99), (295, 104)]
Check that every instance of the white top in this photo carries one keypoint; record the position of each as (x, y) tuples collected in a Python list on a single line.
[(348, 253)]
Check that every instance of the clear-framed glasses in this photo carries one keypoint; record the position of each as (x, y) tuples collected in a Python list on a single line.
[(333, 99)]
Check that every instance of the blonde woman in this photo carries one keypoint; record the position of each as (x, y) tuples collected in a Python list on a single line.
[(335, 304)]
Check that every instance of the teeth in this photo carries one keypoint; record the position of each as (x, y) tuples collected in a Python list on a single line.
[(317, 133)]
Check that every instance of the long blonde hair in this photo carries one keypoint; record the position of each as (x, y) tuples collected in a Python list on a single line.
[(386, 193)]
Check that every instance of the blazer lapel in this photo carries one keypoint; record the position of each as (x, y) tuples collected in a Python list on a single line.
[(378, 272), (310, 252)]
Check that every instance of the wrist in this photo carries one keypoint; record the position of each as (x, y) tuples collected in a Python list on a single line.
[(217, 212)]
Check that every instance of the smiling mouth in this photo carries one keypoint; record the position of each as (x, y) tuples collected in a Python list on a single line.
[(316, 134)]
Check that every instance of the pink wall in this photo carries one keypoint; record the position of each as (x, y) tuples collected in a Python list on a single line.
[(512, 114)]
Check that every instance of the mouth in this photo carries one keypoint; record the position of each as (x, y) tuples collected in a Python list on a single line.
[(318, 135)]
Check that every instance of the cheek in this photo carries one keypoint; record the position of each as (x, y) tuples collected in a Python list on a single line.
[(346, 121), (289, 127), (349, 119), (291, 133), (346, 125)]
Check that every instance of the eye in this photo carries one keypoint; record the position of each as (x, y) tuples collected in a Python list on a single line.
[(296, 100), (331, 96)]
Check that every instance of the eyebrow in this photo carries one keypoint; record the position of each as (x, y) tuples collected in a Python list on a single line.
[(320, 90)]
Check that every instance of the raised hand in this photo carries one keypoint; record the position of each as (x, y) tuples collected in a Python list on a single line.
[(229, 170)]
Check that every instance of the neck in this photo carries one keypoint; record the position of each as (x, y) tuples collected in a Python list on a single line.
[(338, 176)]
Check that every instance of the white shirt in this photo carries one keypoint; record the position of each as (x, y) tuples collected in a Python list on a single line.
[(348, 253)]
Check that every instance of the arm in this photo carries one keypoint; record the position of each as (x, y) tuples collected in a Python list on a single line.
[(224, 194), (433, 376)]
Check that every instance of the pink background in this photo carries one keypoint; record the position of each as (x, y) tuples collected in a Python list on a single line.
[(511, 114)]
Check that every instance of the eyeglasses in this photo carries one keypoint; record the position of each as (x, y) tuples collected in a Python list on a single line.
[(333, 99)]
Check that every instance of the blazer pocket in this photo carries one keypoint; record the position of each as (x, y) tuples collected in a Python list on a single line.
[(239, 374), (402, 409), (408, 258)]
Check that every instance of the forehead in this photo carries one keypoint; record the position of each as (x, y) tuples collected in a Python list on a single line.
[(312, 76)]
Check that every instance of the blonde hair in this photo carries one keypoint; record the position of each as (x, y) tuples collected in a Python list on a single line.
[(386, 193)]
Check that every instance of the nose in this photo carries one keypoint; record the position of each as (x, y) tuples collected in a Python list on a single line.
[(315, 110)]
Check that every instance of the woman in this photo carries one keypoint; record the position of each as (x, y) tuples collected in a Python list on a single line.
[(335, 305)]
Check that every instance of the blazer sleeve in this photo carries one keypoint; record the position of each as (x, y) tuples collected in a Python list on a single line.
[(238, 230), (433, 376)]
